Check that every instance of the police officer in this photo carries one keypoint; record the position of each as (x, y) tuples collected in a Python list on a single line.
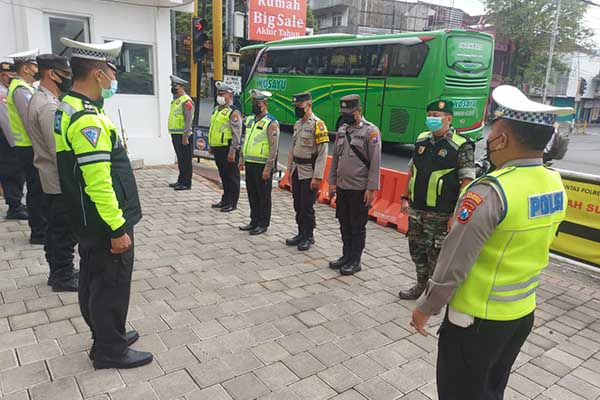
[(259, 154), (56, 79), (180, 128), (306, 162), (442, 163), (224, 139), (99, 187), (490, 263), (20, 92), (354, 178), (12, 178)]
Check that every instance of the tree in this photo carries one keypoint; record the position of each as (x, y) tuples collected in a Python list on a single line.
[(528, 24), (311, 20)]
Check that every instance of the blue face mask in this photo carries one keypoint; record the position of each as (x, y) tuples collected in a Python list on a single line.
[(110, 92), (434, 123)]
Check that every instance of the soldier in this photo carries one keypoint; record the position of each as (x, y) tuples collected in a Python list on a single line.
[(180, 128), (12, 178), (99, 187), (56, 79), (306, 162), (490, 264), (224, 139), (260, 156), (20, 92), (354, 178), (443, 163)]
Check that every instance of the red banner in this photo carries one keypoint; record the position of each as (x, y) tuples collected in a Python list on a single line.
[(276, 19)]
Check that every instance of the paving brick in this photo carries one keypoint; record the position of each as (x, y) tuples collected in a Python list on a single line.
[(173, 385), (265, 332), (178, 337), (245, 387), (28, 320), (150, 325), (588, 375), (16, 308), (281, 394), (39, 351), (69, 365), (364, 367), (580, 387), (242, 362), (23, 377), (410, 376), (212, 393), (54, 330), (63, 389), (175, 359), (296, 343), (208, 329), (538, 375), (151, 343), (525, 386), (349, 395), (7, 360), (339, 378), (17, 396), (14, 339), (303, 364), (378, 389), (556, 392), (140, 391), (75, 343), (312, 388), (99, 381), (276, 375), (65, 312), (141, 374), (210, 373)]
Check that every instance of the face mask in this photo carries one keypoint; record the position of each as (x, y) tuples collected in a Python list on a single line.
[(348, 119), (299, 111), (489, 152), (256, 109), (37, 76), (110, 92), (221, 100), (65, 85), (434, 123), (174, 91)]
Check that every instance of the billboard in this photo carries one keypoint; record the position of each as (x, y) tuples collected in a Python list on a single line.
[(276, 19)]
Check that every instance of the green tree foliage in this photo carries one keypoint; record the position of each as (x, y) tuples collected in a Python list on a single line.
[(528, 24)]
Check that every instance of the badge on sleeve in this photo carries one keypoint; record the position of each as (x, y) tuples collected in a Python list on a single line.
[(374, 137), (188, 105), (321, 134), (470, 202), (421, 149), (92, 134)]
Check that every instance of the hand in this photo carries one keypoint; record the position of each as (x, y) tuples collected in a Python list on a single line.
[(210, 151), (120, 245), (315, 183), (185, 140), (332, 189), (231, 156), (241, 164), (266, 175), (369, 196), (405, 205), (418, 321)]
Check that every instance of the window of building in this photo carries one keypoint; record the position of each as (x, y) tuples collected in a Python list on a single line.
[(337, 20), (76, 28), (135, 69)]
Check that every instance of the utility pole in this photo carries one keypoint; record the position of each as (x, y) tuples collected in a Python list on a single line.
[(194, 69), (218, 39), (551, 52)]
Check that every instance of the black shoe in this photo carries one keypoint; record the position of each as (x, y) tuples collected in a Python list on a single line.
[(52, 279), (248, 228), (172, 185), (259, 230), (351, 268), (414, 292), (306, 243), (130, 359), (17, 214), (339, 263), (295, 241), (37, 240), (219, 205), (65, 285), (132, 337), (228, 208), (182, 187)]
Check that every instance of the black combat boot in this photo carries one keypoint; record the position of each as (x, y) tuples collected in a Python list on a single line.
[(416, 291)]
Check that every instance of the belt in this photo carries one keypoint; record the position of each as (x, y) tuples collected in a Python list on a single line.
[(306, 161)]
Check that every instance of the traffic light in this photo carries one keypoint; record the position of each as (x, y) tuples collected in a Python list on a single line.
[(582, 86), (199, 38)]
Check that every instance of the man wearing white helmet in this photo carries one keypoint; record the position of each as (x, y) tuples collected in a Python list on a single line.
[(489, 266)]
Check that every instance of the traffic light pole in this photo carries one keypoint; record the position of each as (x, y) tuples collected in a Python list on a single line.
[(551, 52), (218, 39)]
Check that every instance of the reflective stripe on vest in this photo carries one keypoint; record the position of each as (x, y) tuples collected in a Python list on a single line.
[(177, 116), (220, 131), (502, 283), (256, 143), (16, 124)]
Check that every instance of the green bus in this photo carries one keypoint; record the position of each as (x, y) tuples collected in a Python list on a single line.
[(396, 75)]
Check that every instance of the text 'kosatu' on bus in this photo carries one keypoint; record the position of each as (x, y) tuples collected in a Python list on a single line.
[(396, 76)]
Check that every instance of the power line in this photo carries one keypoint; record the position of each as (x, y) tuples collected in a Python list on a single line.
[(591, 3)]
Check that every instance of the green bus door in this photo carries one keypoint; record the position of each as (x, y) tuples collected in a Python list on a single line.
[(374, 98)]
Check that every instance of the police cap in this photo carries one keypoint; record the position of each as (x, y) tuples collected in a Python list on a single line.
[(260, 95), (7, 67), (175, 80), (441, 105), (350, 103), (301, 97), (223, 87), (52, 61), (25, 56), (105, 52)]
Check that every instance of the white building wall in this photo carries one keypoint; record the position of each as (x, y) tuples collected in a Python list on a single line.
[(144, 116)]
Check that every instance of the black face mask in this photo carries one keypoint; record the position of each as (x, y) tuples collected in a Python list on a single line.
[(348, 119), (488, 152), (256, 109), (299, 111), (37, 76), (65, 85), (174, 91)]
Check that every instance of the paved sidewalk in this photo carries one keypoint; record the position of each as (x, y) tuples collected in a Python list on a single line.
[(230, 316)]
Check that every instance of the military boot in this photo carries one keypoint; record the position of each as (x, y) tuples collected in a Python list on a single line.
[(416, 291)]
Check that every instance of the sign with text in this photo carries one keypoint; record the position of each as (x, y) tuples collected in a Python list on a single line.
[(276, 19)]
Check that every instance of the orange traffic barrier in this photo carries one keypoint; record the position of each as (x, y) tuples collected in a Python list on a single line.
[(323, 193), (284, 183), (387, 206)]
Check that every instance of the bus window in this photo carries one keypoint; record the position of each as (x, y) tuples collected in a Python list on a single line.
[(405, 60), (247, 59), (347, 61)]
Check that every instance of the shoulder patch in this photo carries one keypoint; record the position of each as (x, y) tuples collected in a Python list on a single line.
[(189, 105), (542, 205), (89, 107), (58, 121), (321, 134), (235, 116), (470, 202), (92, 134), (374, 137)]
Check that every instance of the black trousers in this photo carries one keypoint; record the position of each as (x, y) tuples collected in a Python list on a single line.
[(229, 173), (259, 194), (12, 177), (104, 290), (475, 362), (184, 159), (304, 205), (60, 239), (35, 194), (353, 216)]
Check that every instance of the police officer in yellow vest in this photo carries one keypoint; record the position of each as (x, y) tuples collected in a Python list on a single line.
[(259, 153), (224, 139), (180, 128), (99, 187), (20, 92), (491, 261), (443, 162)]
